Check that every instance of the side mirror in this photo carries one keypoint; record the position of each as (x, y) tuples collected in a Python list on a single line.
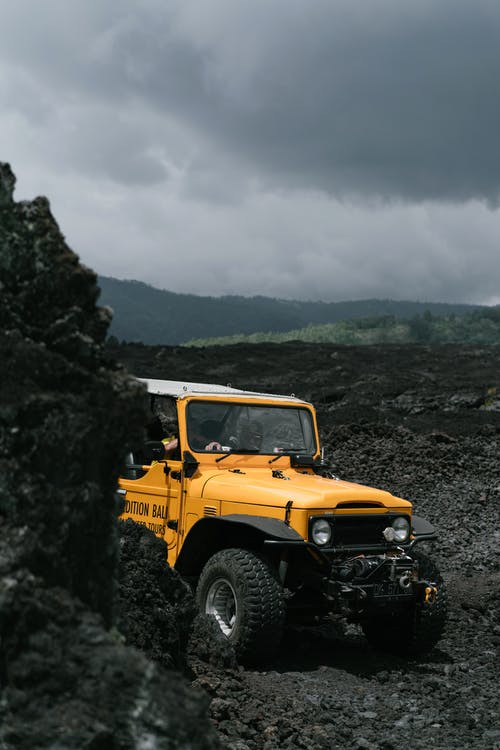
[(190, 464), (154, 450)]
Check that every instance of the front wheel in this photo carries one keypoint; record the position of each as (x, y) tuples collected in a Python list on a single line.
[(416, 629), (240, 591)]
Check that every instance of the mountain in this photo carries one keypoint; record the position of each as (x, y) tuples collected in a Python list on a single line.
[(145, 314)]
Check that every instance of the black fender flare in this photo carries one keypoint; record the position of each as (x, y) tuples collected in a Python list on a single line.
[(422, 529), (212, 533)]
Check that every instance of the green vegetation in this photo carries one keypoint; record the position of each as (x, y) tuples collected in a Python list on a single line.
[(155, 316), (479, 327)]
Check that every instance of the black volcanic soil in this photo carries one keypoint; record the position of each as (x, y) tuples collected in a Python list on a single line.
[(425, 424)]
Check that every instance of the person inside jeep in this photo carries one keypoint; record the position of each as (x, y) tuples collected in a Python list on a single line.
[(208, 436), (164, 426), (251, 435)]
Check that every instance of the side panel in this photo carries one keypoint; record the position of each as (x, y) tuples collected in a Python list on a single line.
[(298, 517), (153, 500), (194, 509)]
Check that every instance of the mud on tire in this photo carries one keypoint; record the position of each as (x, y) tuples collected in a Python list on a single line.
[(240, 590), (417, 629)]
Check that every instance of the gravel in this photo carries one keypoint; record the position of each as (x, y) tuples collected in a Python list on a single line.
[(419, 422)]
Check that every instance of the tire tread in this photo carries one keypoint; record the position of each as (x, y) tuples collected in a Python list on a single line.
[(262, 614)]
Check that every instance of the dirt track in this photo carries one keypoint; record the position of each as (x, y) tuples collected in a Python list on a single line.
[(425, 424)]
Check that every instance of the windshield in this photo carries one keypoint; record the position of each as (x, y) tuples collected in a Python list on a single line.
[(249, 428)]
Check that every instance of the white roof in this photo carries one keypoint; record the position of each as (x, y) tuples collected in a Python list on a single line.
[(181, 388)]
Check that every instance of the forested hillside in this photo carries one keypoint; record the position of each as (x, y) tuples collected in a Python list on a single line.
[(481, 326), (153, 316)]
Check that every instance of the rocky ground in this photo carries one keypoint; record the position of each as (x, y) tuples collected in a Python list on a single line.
[(425, 424)]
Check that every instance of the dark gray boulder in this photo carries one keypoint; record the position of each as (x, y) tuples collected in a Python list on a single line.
[(67, 413)]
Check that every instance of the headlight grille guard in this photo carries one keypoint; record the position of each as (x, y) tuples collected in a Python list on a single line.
[(359, 532)]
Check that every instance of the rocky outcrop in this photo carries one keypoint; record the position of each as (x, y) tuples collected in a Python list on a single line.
[(66, 415), (156, 608)]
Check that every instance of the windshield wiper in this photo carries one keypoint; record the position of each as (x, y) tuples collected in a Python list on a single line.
[(236, 450), (287, 452)]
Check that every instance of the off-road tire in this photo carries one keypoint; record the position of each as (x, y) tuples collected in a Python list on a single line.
[(256, 627), (417, 629)]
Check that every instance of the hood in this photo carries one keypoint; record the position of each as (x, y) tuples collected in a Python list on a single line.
[(259, 487)]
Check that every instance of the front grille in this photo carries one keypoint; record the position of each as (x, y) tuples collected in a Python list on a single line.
[(358, 530)]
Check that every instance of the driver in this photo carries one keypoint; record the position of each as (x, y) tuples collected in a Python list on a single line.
[(208, 437), (252, 435)]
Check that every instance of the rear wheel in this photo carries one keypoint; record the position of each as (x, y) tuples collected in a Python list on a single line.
[(241, 592), (417, 628)]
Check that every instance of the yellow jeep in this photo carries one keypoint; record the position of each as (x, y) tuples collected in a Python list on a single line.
[(256, 521)]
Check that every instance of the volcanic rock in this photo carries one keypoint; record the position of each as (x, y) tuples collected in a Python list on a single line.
[(67, 414)]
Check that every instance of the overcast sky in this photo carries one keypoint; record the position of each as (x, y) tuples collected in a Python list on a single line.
[(309, 149)]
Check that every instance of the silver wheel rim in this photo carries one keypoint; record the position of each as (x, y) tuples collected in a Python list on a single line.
[(221, 603)]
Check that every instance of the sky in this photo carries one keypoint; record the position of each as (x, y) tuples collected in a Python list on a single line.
[(302, 149)]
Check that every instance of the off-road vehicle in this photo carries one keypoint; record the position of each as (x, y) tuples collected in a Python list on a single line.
[(257, 522)]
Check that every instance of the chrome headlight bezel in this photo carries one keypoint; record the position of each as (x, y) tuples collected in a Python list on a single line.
[(321, 532), (401, 526)]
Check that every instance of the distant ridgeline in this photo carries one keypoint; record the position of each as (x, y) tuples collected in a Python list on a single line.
[(153, 316)]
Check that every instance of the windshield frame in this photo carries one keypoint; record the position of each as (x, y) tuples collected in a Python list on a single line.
[(305, 421)]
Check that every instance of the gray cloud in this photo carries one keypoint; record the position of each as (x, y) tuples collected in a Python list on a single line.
[(300, 148), (396, 99), (390, 98), (298, 246)]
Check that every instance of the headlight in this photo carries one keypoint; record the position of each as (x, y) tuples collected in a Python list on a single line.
[(401, 527), (321, 532)]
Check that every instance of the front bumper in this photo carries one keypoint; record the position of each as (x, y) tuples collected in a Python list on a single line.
[(373, 581)]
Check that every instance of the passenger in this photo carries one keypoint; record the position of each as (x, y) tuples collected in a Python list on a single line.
[(164, 426), (252, 435)]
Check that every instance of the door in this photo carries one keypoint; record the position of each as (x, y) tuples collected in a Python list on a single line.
[(153, 499)]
